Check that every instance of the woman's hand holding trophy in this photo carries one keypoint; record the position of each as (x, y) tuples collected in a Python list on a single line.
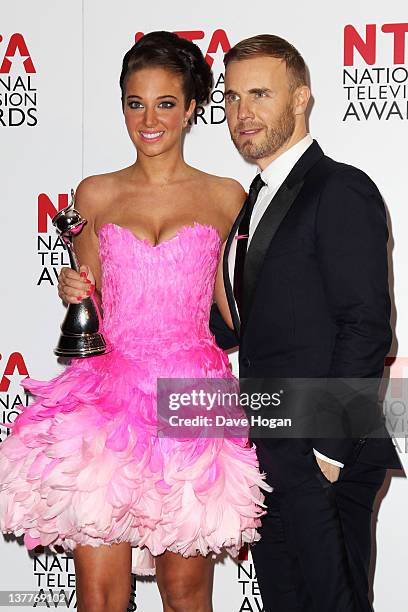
[(81, 329), (74, 286)]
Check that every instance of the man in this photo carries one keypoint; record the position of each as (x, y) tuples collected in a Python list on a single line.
[(308, 298)]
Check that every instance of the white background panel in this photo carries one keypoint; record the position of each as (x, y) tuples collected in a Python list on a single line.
[(77, 49)]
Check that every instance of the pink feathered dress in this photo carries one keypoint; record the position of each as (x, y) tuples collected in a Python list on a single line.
[(84, 464)]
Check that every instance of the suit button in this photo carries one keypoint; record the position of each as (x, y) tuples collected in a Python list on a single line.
[(246, 362)]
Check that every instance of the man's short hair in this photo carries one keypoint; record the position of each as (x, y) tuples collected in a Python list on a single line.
[(268, 45)]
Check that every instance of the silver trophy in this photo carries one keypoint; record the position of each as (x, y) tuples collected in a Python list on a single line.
[(80, 335)]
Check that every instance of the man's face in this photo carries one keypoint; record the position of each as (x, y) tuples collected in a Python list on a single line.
[(259, 105)]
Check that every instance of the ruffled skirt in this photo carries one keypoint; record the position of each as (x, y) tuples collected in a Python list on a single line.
[(84, 465)]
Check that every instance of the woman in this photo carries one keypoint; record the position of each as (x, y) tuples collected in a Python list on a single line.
[(86, 465)]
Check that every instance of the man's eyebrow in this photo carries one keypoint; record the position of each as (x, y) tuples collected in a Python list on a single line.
[(255, 90)]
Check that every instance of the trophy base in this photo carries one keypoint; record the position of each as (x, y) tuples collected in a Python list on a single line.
[(81, 345)]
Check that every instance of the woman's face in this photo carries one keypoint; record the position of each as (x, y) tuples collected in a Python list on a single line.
[(154, 109)]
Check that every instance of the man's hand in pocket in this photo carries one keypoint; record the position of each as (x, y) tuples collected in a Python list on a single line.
[(330, 471)]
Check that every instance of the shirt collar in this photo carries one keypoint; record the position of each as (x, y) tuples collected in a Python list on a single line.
[(274, 174)]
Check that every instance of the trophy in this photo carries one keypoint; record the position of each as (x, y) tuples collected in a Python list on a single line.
[(80, 335)]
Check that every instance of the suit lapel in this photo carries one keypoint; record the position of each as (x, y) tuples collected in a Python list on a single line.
[(227, 281), (262, 238), (270, 222)]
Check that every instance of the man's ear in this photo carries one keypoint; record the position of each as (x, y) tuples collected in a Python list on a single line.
[(301, 97)]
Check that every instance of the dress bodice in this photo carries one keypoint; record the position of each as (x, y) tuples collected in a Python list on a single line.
[(157, 292)]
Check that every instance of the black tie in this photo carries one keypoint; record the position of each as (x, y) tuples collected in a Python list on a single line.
[(242, 244)]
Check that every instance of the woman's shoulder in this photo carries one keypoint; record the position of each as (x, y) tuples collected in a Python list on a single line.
[(98, 184), (95, 191), (223, 183), (225, 190)]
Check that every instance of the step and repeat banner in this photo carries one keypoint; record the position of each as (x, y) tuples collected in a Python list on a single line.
[(61, 120)]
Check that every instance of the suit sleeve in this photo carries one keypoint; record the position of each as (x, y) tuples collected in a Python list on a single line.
[(224, 336), (352, 234)]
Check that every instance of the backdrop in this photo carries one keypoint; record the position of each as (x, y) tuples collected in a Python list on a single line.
[(61, 120)]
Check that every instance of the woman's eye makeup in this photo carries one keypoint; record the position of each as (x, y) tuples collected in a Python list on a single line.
[(135, 104), (167, 104)]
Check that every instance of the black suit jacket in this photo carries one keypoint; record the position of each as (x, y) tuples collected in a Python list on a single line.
[(316, 300)]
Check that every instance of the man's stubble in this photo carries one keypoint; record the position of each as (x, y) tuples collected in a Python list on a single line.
[(277, 136)]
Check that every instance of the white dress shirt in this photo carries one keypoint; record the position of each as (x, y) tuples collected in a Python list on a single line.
[(273, 177)]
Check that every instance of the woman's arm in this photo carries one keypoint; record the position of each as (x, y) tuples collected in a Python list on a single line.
[(220, 296), (233, 197)]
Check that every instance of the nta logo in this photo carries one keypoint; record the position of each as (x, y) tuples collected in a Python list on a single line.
[(366, 45), (14, 362), (18, 91), (47, 209), (50, 247), (375, 79), (15, 44)]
